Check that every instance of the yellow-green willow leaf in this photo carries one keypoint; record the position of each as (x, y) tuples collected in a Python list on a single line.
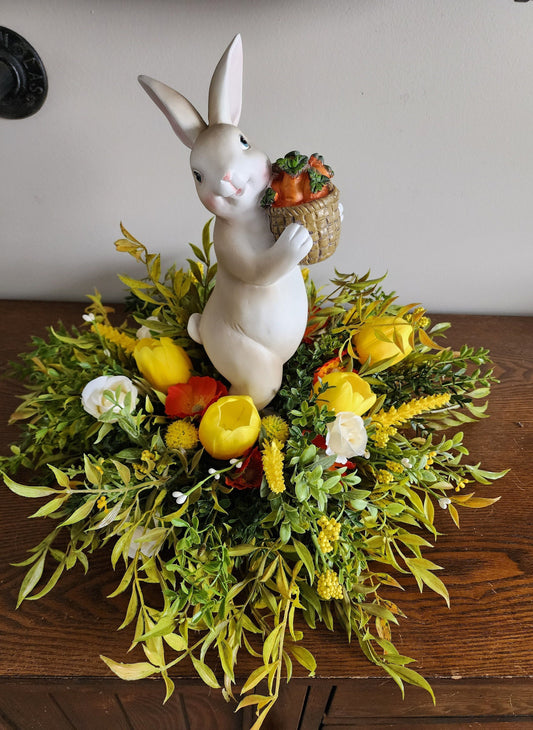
[(129, 672), (479, 502), (271, 641), (241, 550), (306, 557), (27, 491), (424, 576), (409, 675), (427, 341), (81, 513), (259, 700), (205, 673), (269, 572), (49, 507), (123, 471), (62, 478), (225, 653), (454, 514), (94, 474), (125, 581), (50, 584), (304, 657), (164, 626), (175, 641), (256, 676), (288, 665), (131, 611), (169, 684), (133, 283), (31, 579)]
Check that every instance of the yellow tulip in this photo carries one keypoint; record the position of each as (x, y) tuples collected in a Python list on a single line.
[(162, 362), (346, 392), (230, 426), (382, 338)]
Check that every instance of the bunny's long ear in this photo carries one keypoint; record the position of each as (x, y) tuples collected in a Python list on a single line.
[(183, 117), (225, 91)]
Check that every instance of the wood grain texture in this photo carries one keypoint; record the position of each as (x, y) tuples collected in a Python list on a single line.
[(485, 638)]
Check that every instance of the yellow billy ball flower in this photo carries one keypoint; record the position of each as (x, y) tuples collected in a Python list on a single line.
[(162, 362), (112, 334), (230, 426), (328, 586), (273, 466), (275, 428), (382, 338), (346, 392), (181, 435)]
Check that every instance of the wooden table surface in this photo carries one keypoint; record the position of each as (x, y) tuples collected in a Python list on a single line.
[(478, 654)]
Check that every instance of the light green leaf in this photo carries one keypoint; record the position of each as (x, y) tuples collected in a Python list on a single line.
[(123, 471), (93, 474), (259, 700), (270, 643), (81, 513), (241, 550), (176, 642), (49, 507), (129, 672), (27, 491), (62, 478), (50, 584), (256, 676), (31, 579), (304, 657), (206, 674), (131, 611), (306, 557)]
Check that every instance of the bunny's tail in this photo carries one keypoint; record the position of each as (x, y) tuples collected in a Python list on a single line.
[(193, 327)]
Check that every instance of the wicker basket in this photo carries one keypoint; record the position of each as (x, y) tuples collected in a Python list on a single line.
[(321, 217)]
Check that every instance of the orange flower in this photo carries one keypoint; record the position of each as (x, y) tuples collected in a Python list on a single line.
[(194, 397), (331, 366)]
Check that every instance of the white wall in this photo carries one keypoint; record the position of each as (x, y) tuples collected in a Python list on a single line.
[(423, 107)]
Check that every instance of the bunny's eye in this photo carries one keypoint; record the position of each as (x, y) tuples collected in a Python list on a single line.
[(244, 142), (197, 175)]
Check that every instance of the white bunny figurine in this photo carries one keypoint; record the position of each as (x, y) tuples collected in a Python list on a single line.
[(256, 315)]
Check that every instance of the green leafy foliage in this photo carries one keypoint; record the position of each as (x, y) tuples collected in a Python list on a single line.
[(236, 566)]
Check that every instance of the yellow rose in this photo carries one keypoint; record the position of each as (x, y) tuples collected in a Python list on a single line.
[(162, 362), (382, 338), (230, 426), (346, 392)]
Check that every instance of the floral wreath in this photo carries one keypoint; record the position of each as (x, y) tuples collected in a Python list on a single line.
[(245, 519)]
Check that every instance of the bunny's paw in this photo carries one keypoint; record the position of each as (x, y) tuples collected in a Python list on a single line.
[(298, 240)]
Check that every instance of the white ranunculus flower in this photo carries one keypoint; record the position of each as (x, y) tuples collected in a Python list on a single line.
[(346, 436), (96, 403)]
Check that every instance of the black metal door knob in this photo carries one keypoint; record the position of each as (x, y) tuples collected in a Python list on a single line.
[(23, 82)]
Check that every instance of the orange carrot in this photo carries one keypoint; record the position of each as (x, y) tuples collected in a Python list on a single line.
[(289, 190), (317, 162)]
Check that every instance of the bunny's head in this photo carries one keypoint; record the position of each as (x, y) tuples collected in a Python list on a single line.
[(229, 173)]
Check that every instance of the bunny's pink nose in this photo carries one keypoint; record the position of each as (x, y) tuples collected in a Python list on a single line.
[(230, 188)]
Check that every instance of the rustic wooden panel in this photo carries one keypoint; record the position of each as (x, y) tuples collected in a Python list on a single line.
[(456, 699), (31, 708), (425, 723), (113, 705)]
